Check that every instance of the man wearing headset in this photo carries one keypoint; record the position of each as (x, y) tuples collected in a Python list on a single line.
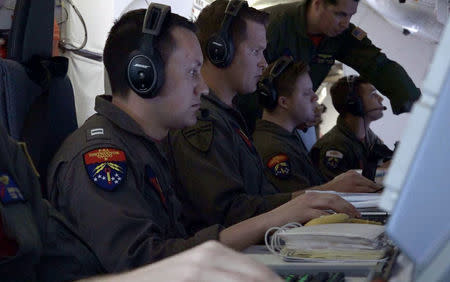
[(285, 92), (36, 244), (111, 178), (349, 143), (220, 173), (319, 32)]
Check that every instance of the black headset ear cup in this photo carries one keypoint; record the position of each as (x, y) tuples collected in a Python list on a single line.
[(355, 107), (220, 50), (145, 68), (145, 73), (267, 94)]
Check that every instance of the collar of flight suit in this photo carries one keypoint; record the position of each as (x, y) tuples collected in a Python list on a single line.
[(105, 107), (228, 111), (265, 125), (342, 126)]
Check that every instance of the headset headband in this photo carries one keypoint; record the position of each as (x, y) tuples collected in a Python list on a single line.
[(232, 10), (351, 83), (279, 66), (152, 25)]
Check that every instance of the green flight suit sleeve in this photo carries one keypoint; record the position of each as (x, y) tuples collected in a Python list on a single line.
[(212, 181), (386, 75)]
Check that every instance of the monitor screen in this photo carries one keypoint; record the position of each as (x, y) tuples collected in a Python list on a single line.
[(417, 189)]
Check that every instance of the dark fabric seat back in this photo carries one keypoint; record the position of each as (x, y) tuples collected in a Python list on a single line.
[(36, 97)]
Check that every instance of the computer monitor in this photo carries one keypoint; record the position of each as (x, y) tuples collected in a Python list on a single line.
[(417, 185)]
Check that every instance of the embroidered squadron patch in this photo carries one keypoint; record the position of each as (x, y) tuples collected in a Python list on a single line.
[(151, 176), (200, 136), (358, 33), (333, 158), (9, 191), (106, 167), (279, 166)]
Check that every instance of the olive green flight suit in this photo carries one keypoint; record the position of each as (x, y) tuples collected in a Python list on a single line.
[(113, 183), (221, 174), (286, 160), (340, 150)]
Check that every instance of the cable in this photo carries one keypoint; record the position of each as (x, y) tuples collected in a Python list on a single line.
[(63, 43), (275, 244), (66, 18)]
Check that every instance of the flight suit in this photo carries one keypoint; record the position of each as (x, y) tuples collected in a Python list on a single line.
[(286, 160), (222, 176), (286, 35), (113, 182), (340, 150), (37, 243)]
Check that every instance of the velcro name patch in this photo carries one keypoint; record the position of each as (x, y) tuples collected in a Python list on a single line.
[(358, 33)]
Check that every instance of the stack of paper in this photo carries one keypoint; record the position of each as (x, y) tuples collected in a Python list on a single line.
[(339, 241)]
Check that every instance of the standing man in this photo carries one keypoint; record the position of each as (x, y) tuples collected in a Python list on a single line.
[(220, 173), (319, 32), (111, 178), (285, 92), (350, 142)]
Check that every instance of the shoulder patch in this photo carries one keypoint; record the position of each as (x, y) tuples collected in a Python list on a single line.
[(200, 136), (333, 158), (279, 166), (358, 33), (9, 191), (106, 167)]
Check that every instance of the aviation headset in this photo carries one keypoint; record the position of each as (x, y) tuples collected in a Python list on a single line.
[(220, 48), (145, 69), (268, 96), (353, 103)]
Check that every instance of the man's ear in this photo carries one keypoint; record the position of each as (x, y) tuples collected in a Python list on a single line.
[(283, 102)]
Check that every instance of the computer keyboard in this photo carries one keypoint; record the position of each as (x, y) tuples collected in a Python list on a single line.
[(318, 277)]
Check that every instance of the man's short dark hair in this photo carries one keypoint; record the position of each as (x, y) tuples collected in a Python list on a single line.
[(211, 18), (126, 36), (340, 91), (284, 84)]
